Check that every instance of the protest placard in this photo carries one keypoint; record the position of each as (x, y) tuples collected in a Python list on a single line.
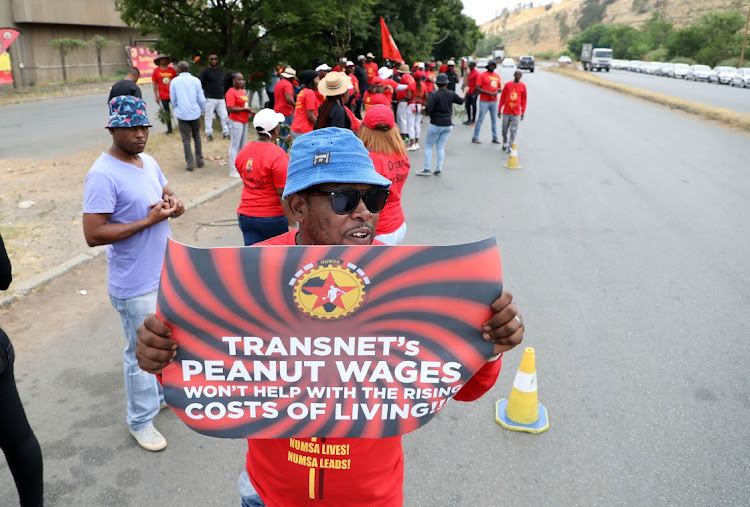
[(328, 341)]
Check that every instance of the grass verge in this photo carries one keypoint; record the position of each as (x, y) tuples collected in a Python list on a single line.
[(726, 117)]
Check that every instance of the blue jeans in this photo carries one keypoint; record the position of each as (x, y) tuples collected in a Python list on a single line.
[(142, 389), (257, 229), (483, 108), (436, 135), (250, 497)]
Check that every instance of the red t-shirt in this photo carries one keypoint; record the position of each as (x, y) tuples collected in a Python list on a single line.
[(370, 99), (513, 98), (471, 80), (488, 81), (406, 79), (388, 93), (372, 70), (280, 105), (417, 96), (355, 82), (306, 101), (429, 83), (237, 98), (163, 77), (262, 167), (395, 168)]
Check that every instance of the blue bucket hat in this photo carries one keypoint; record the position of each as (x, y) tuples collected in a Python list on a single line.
[(329, 155), (127, 111)]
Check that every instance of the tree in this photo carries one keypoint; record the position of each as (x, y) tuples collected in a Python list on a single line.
[(714, 37), (65, 45), (562, 24), (486, 45), (458, 33), (100, 42), (592, 12)]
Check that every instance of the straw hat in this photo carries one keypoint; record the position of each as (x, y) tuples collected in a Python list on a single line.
[(335, 83), (289, 73)]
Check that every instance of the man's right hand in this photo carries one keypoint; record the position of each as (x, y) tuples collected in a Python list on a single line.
[(154, 348), (160, 212)]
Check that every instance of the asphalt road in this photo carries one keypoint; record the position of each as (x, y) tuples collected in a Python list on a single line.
[(712, 94), (625, 240)]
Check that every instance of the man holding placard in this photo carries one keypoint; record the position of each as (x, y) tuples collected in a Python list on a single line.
[(335, 195)]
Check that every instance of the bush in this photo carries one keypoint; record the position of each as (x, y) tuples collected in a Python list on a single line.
[(682, 59), (657, 55), (729, 62), (545, 55)]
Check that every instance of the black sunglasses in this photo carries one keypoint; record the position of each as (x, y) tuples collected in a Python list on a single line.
[(346, 201)]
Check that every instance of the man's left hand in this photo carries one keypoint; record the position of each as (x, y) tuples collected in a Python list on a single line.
[(505, 328), (521, 117), (175, 204)]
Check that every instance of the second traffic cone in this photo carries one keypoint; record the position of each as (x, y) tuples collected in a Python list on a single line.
[(521, 411), (513, 159)]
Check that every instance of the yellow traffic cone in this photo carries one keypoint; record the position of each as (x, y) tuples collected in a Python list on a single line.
[(521, 411), (513, 159)]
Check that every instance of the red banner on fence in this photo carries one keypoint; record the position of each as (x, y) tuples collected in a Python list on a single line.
[(327, 341)]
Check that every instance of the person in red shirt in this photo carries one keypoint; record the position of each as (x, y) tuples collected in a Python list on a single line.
[(354, 96), (336, 203), (415, 98), (389, 85), (262, 214), (238, 106), (488, 88), (512, 108), (430, 78), (283, 95), (470, 95), (375, 94), (381, 137), (306, 108), (402, 109), (163, 75), (371, 67)]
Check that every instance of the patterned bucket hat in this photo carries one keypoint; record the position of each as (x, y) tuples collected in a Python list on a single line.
[(127, 111)]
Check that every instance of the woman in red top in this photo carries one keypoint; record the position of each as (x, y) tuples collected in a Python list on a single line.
[(381, 137), (415, 95), (306, 108), (375, 94), (262, 165), (239, 110)]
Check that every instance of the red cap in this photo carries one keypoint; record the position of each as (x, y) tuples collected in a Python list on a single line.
[(432, 65), (377, 80), (418, 74), (377, 114)]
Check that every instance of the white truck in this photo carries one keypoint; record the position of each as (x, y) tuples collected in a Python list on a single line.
[(498, 54), (596, 58)]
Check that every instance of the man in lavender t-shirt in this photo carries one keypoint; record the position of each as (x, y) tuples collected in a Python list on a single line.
[(126, 203)]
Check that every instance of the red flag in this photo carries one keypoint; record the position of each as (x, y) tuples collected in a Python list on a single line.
[(7, 36), (390, 49)]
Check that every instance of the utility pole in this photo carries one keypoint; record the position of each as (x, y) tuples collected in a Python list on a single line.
[(744, 41)]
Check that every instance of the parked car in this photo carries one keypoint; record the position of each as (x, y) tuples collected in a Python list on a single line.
[(741, 78), (526, 63), (482, 63), (564, 59), (699, 73), (667, 70), (653, 68), (634, 65), (680, 70), (723, 75), (509, 62)]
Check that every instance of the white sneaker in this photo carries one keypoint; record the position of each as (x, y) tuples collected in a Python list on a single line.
[(413, 147), (417, 145), (149, 438), (234, 174)]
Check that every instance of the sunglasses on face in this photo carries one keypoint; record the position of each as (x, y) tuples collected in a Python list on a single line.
[(346, 201)]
